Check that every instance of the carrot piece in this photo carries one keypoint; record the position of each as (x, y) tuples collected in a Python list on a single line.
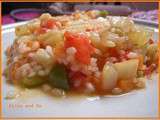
[(50, 24), (125, 85), (59, 50), (78, 80), (141, 60)]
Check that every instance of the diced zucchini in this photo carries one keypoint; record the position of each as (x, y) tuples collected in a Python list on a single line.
[(22, 30), (52, 37), (140, 73), (103, 13), (33, 81), (140, 37)]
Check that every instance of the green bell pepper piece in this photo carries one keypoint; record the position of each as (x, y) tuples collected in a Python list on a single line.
[(58, 77)]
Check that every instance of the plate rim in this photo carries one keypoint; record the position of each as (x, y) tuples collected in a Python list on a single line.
[(138, 21)]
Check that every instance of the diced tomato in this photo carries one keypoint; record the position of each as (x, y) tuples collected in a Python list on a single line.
[(151, 41), (77, 80), (116, 53), (49, 24), (40, 30), (82, 45), (147, 71), (150, 69), (101, 62), (113, 52)]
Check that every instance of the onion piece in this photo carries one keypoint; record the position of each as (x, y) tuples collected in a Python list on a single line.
[(127, 69), (109, 77)]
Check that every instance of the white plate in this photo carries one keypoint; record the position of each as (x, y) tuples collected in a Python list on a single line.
[(146, 22), (141, 103)]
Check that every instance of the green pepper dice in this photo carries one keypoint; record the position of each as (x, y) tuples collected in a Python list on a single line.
[(34, 81), (58, 77)]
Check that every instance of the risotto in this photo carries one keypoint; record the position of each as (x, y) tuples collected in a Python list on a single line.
[(81, 53)]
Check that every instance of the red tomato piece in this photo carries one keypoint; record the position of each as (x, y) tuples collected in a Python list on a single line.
[(151, 41), (40, 30), (125, 56), (150, 69), (82, 45), (50, 24), (113, 52), (77, 80)]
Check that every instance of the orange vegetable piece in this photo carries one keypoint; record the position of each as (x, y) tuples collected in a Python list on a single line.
[(125, 85), (50, 24), (141, 60)]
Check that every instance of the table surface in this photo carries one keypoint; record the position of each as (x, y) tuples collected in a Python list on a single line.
[(151, 15)]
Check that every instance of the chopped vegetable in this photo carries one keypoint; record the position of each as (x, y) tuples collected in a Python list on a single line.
[(139, 37), (125, 85), (127, 69), (82, 45), (78, 80), (150, 69), (103, 13), (140, 73), (113, 52), (58, 77), (40, 30), (109, 77), (141, 82), (151, 41), (50, 24), (22, 30), (141, 61), (95, 39), (52, 37), (33, 81), (152, 52)]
